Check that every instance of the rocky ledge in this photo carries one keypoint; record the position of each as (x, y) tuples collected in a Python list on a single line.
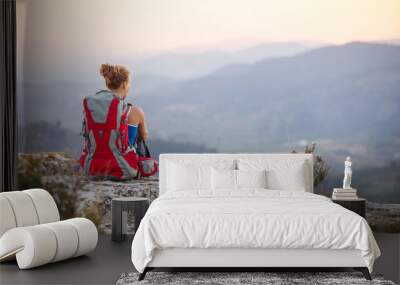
[(74, 193), (96, 196)]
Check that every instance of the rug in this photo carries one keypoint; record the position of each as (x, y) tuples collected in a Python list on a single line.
[(273, 278)]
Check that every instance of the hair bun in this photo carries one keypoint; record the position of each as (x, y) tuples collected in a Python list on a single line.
[(106, 70), (114, 75)]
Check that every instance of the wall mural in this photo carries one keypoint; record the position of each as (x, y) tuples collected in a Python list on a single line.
[(249, 76)]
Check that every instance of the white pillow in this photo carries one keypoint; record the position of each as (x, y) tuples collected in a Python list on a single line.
[(281, 174), (251, 178), (223, 179), (289, 177), (183, 178)]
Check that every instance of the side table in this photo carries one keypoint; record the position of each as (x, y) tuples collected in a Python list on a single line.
[(119, 208), (358, 205)]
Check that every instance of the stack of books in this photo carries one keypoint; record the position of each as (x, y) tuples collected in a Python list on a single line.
[(344, 194)]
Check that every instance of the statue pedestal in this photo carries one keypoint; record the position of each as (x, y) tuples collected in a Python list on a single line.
[(345, 190), (344, 194)]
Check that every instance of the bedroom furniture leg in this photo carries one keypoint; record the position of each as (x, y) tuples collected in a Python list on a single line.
[(364, 271), (143, 274)]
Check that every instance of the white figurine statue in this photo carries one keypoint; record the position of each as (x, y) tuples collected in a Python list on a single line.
[(347, 173)]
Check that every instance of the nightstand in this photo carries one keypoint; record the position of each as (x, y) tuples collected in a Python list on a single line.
[(119, 207), (358, 206)]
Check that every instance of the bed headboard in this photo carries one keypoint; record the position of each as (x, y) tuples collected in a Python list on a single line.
[(215, 157)]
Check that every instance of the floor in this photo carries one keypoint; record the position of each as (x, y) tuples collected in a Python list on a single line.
[(388, 264), (103, 266), (111, 259)]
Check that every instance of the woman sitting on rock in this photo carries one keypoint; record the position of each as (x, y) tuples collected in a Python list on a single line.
[(112, 127)]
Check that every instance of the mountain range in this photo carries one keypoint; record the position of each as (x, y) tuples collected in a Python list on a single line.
[(191, 65), (348, 93)]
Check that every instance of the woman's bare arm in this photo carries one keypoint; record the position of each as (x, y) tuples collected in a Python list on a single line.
[(136, 117), (143, 132)]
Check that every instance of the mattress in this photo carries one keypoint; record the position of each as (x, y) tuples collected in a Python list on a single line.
[(251, 219)]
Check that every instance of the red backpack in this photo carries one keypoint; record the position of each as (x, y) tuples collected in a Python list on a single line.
[(106, 151)]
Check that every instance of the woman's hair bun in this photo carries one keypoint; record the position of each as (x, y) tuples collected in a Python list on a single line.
[(106, 69), (114, 75)]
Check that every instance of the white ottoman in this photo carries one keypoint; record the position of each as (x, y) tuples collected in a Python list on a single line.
[(31, 232)]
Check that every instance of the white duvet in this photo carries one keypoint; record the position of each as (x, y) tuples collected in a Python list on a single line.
[(250, 219)]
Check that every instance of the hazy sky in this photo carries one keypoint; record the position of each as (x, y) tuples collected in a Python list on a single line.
[(149, 26)]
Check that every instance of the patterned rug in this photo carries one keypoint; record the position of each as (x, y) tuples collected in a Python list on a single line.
[(229, 278)]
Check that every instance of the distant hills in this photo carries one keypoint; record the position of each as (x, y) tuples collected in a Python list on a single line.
[(190, 65), (177, 65), (348, 93)]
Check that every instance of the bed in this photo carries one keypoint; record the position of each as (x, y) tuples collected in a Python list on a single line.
[(247, 210)]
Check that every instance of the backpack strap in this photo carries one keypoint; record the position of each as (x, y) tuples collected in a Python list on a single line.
[(85, 133), (146, 149), (141, 144), (122, 130), (129, 110)]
